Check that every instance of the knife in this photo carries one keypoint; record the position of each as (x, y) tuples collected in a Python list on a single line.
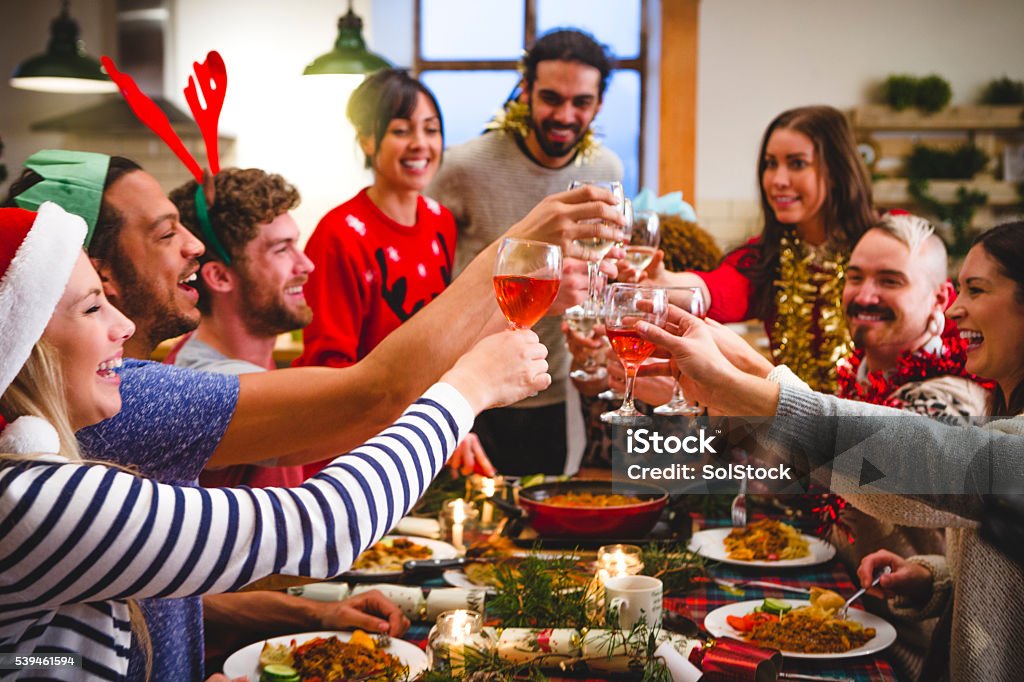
[(419, 566)]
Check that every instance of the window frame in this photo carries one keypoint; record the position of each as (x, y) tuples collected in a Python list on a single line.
[(637, 64)]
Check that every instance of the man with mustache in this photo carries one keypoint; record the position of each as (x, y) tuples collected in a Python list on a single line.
[(895, 295), (541, 144)]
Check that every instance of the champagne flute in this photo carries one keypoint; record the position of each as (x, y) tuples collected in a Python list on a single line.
[(625, 305), (596, 248), (644, 239), (678, 406), (526, 279)]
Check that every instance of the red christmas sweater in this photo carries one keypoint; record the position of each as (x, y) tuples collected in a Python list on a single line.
[(371, 275)]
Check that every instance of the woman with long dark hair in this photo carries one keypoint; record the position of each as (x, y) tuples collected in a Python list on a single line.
[(816, 201)]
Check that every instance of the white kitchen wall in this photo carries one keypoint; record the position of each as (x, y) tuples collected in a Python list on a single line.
[(760, 57), (284, 122)]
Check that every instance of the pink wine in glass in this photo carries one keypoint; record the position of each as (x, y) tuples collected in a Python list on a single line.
[(629, 346), (524, 300)]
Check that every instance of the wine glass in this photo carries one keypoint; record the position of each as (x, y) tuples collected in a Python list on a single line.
[(693, 302), (625, 305), (596, 248), (526, 279), (644, 239)]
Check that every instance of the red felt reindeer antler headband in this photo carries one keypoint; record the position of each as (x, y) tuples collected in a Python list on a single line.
[(212, 79)]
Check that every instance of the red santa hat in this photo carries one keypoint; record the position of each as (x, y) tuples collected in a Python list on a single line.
[(38, 251)]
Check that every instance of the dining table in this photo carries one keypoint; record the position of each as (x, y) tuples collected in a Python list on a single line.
[(709, 595)]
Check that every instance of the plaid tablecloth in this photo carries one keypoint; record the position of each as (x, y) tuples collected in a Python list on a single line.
[(708, 597)]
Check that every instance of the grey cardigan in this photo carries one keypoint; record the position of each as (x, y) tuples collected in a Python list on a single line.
[(984, 590)]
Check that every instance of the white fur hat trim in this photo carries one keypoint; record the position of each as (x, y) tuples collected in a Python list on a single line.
[(33, 284), (29, 436)]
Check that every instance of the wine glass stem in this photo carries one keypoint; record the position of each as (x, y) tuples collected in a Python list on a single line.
[(677, 393), (627, 400), (593, 267)]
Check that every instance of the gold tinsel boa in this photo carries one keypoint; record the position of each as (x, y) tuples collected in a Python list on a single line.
[(810, 279), (514, 118)]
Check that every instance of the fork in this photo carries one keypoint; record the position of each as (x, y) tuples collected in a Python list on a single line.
[(877, 577), (739, 503)]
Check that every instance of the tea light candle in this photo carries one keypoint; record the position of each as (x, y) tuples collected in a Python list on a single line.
[(447, 641), (616, 560)]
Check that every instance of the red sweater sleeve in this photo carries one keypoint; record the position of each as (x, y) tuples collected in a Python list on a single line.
[(730, 289), (338, 293)]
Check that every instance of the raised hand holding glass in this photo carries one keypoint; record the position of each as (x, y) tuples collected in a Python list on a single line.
[(596, 248)]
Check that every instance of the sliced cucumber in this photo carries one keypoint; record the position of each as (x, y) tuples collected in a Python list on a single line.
[(279, 673), (775, 606)]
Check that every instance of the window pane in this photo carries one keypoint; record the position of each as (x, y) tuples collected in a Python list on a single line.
[(618, 125), (468, 99), (471, 29), (616, 23)]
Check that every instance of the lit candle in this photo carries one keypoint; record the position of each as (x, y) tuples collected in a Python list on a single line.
[(457, 650), (487, 485), (617, 560), (458, 523)]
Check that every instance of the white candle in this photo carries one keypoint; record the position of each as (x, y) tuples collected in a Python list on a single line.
[(458, 522), (457, 650), (488, 490)]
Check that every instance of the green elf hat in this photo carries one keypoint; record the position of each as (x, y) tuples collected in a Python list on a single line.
[(72, 180)]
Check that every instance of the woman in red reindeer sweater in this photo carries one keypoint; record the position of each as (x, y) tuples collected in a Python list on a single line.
[(386, 252)]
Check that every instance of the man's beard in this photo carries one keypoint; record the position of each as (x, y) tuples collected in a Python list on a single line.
[(153, 313), (267, 316), (554, 149)]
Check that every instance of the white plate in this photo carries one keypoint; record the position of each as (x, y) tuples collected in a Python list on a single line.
[(711, 544), (246, 661), (440, 550), (885, 634), (457, 578)]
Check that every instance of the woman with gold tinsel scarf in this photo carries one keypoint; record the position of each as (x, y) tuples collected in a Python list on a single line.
[(816, 200)]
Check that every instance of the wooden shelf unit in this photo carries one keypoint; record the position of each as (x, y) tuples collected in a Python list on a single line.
[(893, 135)]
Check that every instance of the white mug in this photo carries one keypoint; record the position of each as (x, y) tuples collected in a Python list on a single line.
[(630, 599)]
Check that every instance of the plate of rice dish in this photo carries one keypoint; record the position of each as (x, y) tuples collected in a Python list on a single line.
[(802, 628), (762, 543), (328, 656), (387, 557)]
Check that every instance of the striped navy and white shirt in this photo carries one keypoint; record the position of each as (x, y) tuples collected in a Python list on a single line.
[(76, 540)]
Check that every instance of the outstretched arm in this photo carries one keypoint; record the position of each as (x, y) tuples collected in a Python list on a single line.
[(307, 414)]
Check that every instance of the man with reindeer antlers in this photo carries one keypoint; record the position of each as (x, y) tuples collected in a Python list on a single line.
[(174, 422)]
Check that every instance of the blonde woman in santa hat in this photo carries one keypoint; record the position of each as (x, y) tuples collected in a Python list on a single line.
[(78, 540)]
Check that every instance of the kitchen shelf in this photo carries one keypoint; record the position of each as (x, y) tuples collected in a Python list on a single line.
[(967, 117), (892, 192)]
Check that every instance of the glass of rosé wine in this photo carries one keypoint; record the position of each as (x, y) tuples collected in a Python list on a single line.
[(625, 305), (526, 279)]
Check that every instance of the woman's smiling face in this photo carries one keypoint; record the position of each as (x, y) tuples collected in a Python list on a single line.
[(88, 334), (990, 315)]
